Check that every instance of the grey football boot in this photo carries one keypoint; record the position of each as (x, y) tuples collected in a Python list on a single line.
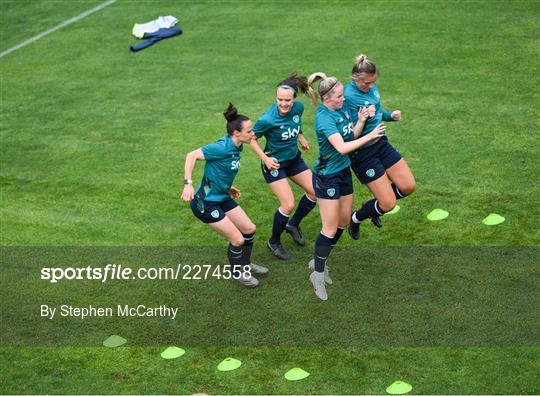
[(317, 280), (247, 280), (327, 278), (258, 269)]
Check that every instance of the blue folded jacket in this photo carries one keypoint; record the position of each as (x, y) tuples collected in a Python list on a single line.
[(151, 38)]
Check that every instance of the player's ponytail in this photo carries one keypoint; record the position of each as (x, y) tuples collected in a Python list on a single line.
[(295, 83), (234, 120), (326, 86), (363, 65)]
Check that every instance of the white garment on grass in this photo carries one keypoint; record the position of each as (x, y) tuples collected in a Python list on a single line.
[(139, 29)]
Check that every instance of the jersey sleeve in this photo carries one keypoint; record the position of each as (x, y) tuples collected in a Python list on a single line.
[(261, 127), (327, 126), (214, 151), (386, 115)]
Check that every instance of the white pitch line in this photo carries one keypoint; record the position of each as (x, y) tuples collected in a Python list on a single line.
[(54, 29)]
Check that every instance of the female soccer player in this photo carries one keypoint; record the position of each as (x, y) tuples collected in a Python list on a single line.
[(213, 202), (281, 125), (337, 136), (378, 165)]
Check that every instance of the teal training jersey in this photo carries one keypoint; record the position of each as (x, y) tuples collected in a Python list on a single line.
[(222, 162), (357, 99), (281, 132), (327, 123)]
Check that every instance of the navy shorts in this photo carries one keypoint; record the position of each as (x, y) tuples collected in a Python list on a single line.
[(286, 169), (372, 162), (334, 185), (211, 212)]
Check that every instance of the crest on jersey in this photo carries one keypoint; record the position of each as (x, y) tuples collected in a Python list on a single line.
[(296, 118), (370, 172), (377, 95), (347, 115), (215, 214), (366, 103), (331, 192), (340, 120), (274, 172)]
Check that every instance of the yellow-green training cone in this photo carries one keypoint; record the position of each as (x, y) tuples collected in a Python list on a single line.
[(437, 214), (393, 211), (229, 364), (399, 388), (296, 374), (114, 341), (493, 219), (172, 352)]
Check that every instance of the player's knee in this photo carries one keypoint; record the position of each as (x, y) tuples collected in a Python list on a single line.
[(311, 195), (250, 229), (387, 203), (237, 240), (329, 232), (409, 187), (287, 207)]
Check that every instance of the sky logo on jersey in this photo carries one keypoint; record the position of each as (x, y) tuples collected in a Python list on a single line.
[(235, 165), (290, 133), (215, 214), (296, 119), (370, 172), (331, 192), (348, 129)]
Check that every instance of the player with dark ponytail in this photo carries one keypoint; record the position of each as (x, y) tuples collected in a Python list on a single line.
[(213, 201), (281, 125)]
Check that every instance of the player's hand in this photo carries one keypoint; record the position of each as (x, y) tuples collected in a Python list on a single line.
[(188, 193), (304, 144), (235, 192), (363, 114), (371, 110), (396, 115), (271, 163), (378, 132)]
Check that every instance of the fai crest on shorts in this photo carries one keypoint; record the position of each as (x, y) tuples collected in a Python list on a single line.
[(296, 119), (370, 172), (274, 172), (215, 214), (331, 192)]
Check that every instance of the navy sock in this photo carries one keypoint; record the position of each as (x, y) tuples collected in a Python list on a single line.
[(368, 210), (280, 221), (397, 192), (336, 237), (323, 247), (304, 207), (248, 247), (236, 256)]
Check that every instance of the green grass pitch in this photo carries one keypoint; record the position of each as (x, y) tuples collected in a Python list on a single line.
[(93, 140)]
